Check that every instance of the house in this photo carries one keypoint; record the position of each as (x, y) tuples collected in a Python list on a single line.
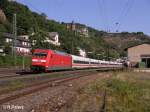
[(139, 54), (23, 45), (53, 38), (81, 29), (84, 32), (82, 52)]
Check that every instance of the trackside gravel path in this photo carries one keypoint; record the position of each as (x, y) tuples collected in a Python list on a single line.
[(50, 99)]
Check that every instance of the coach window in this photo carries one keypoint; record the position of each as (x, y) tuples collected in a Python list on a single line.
[(94, 63), (81, 62)]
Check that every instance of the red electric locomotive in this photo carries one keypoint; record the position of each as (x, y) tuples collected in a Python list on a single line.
[(44, 60)]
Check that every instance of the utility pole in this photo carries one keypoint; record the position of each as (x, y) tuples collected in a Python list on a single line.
[(23, 64), (74, 34), (14, 38), (108, 53), (72, 46)]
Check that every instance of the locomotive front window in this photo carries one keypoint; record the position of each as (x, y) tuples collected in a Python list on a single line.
[(40, 54)]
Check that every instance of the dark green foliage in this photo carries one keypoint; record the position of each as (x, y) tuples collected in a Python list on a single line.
[(2, 28), (140, 33), (25, 18), (3, 4), (7, 49), (8, 60), (1, 39)]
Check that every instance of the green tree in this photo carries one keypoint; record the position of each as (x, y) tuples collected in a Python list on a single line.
[(3, 4), (38, 37), (7, 49)]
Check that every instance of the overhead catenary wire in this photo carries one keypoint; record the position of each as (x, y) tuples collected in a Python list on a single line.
[(103, 14), (106, 16), (124, 13)]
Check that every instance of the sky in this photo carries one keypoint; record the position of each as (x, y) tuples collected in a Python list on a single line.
[(106, 15)]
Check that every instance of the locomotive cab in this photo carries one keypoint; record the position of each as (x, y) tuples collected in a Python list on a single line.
[(49, 60), (39, 60)]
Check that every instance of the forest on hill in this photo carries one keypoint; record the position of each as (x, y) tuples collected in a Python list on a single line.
[(29, 22)]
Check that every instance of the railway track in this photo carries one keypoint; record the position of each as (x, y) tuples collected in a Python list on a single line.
[(8, 74), (18, 74), (41, 85)]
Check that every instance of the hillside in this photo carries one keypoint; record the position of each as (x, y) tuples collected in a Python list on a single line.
[(123, 40), (98, 42)]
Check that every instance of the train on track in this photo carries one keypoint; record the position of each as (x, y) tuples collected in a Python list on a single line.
[(48, 60)]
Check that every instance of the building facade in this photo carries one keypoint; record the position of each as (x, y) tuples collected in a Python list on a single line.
[(82, 52), (78, 28), (138, 54), (53, 38), (23, 45)]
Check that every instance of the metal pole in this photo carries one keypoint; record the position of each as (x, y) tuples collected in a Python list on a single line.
[(23, 66), (12, 48), (14, 38), (108, 48), (72, 44)]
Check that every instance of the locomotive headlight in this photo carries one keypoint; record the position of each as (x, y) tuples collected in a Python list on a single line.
[(38, 60), (43, 61), (34, 60)]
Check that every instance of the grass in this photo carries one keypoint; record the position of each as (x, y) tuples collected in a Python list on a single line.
[(126, 92), (129, 92), (8, 61), (126, 97)]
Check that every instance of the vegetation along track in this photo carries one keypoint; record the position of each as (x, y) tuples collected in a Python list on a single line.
[(42, 85), (103, 105)]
